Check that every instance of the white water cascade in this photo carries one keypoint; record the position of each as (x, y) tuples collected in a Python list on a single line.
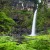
[(34, 22), (22, 5)]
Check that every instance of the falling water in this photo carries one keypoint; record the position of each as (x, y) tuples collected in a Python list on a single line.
[(34, 22), (22, 5), (39, 1)]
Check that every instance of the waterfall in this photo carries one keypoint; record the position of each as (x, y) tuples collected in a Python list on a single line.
[(39, 1), (34, 22), (22, 5)]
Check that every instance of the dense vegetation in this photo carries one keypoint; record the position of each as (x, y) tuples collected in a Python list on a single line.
[(30, 43), (6, 23), (43, 18), (24, 21), (16, 24), (23, 18)]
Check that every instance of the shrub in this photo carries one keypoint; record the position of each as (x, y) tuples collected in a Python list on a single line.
[(6, 23), (38, 43), (8, 46), (43, 19), (30, 43)]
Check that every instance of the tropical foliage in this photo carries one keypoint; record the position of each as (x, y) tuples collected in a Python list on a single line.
[(6, 23), (16, 24), (29, 43)]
